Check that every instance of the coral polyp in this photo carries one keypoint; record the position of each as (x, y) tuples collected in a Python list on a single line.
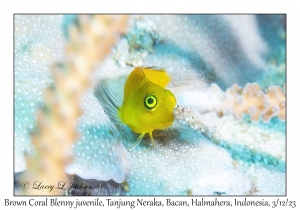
[(251, 100), (227, 75)]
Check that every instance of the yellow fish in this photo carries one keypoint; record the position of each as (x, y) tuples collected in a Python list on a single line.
[(147, 105)]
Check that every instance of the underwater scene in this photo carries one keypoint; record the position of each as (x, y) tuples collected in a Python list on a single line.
[(178, 104)]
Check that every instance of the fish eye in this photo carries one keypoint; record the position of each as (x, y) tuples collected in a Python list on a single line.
[(150, 102)]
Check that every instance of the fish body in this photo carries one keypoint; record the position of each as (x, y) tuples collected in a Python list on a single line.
[(147, 105)]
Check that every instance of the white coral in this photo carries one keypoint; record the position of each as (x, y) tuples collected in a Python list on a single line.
[(235, 100)]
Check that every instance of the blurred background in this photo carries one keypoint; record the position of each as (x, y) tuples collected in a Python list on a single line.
[(205, 154)]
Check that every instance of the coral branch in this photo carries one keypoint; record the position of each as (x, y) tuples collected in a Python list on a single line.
[(235, 100), (89, 43)]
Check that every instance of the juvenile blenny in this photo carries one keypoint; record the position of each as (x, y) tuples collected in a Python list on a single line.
[(146, 105)]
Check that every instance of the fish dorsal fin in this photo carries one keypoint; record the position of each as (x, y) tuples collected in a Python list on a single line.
[(157, 76), (137, 78), (133, 83)]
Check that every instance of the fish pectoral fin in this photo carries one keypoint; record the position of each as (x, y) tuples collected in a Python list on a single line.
[(138, 140), (152, 139)]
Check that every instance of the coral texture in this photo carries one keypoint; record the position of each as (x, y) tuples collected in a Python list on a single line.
[(88, 44), (202, 153), (235, 100)]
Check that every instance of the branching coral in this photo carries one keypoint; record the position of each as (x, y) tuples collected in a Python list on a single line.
[(88, 44), (235, 100), (135, 45), (184, 161)]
